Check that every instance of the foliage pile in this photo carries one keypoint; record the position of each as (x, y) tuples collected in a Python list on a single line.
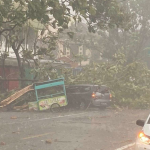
[(129, 83)]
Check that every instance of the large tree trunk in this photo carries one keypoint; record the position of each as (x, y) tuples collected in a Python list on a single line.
[(3, 73), (20, 66), (4, 56), (3, 68)]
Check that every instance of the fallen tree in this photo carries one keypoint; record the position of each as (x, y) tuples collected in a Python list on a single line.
[(129, 83)]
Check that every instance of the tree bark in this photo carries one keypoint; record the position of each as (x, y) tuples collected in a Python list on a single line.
[(3, 73), (20, 66)]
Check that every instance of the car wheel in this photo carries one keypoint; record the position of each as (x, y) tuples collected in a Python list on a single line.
[(55, 107)]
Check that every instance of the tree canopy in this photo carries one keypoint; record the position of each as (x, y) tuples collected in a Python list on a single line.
[(16, 15), (101, 13)]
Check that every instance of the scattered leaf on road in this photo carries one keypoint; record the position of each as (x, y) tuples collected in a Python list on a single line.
[(13, 117), (2, 143), (16, 132), (48, 141)]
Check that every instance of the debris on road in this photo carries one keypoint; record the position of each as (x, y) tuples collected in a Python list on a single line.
[(16, 132), (23, 107), (2, 143), (13, 117), (48, 141)]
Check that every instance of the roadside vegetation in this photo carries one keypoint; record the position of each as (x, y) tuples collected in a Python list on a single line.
[(118, 32), (129, 83)]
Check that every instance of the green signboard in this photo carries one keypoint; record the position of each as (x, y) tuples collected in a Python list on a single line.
[(45, 104)]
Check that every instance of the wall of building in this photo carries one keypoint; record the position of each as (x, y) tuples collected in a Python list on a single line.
[(10, 73)]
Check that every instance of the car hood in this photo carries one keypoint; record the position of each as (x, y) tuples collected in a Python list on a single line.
[(146, 129)]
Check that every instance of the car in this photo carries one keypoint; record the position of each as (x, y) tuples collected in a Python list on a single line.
[(83, 95), (143, 138)]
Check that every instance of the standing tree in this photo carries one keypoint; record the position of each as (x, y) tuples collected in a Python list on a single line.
[(133, 42), (15, 14)]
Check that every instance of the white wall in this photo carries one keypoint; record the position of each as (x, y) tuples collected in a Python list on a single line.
[(2, 50)]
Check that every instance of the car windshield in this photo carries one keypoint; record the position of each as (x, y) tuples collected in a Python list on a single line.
[(75, 89), (74, 74), (148, 122)]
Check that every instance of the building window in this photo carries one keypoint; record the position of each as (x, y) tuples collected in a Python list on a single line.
[(80, 50)]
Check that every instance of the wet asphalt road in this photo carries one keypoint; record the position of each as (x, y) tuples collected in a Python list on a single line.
[(75, 130)]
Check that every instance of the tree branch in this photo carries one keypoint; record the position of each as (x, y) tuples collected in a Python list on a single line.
[(19, 45), (10, 29)]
